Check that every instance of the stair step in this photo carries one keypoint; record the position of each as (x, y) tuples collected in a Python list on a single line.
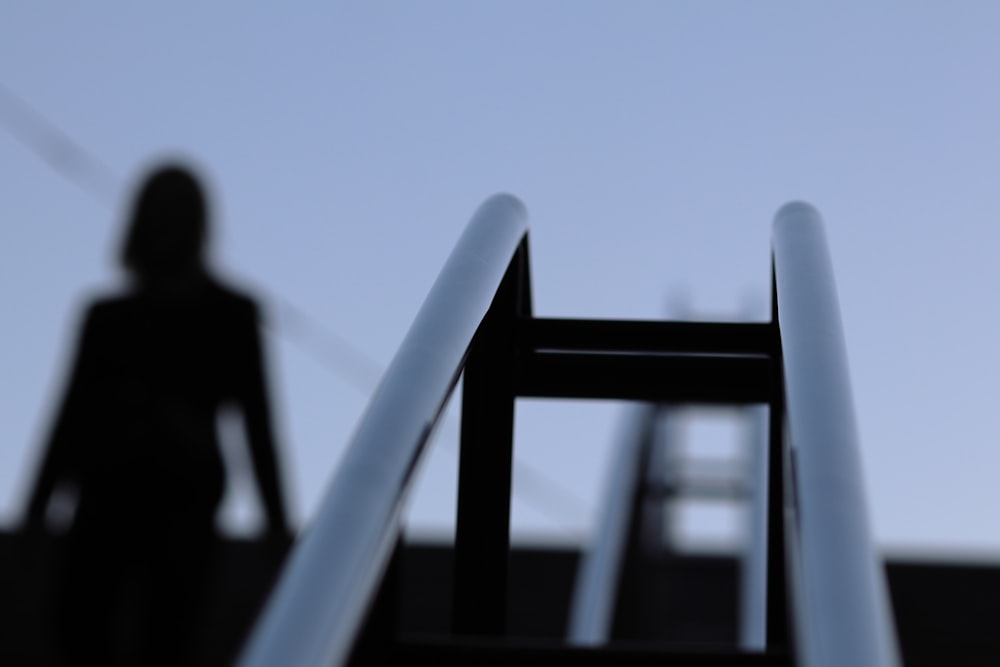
[(449, 651)]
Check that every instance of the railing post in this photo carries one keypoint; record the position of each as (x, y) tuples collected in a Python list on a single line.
[(482, 531), (777, 592), (753, 571)]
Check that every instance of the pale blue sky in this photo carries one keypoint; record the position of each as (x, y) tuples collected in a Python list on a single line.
[(652, 142)]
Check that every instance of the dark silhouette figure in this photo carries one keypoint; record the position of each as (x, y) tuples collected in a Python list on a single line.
[(136, 438)]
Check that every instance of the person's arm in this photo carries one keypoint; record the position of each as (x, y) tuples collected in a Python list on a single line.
[(256, 411), (60, 458)]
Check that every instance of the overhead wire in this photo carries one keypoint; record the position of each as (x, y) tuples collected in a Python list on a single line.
[(57, 148), (80, 166)]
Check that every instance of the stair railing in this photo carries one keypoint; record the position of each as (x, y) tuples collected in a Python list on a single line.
[(327, 588), (596, 592), (838, 590)]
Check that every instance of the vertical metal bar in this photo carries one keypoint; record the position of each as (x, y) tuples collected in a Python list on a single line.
[(627, 608), (753, 588), (599, 573), (777, 596), (482, 532), (382, 623)]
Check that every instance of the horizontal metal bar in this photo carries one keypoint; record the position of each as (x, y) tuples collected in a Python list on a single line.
[(647, 336), (698, 490), (647, 377), (325, 590), (452, 651)]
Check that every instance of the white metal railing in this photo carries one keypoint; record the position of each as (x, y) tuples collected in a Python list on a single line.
[(596, 589), (839, 593), (315, 613)]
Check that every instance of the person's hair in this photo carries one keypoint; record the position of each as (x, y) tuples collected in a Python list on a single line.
[(169, 226)]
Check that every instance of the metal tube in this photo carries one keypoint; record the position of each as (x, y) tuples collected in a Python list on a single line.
[(841, 595), (323, 594), (596, 590)]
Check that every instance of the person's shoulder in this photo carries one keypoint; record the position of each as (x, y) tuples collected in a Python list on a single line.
[(103, 306), (104, 312), (234, 300)]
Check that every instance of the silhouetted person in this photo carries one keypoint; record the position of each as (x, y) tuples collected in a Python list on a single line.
[(136, 437)]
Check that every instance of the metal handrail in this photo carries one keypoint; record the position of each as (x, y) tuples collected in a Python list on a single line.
[(320, 601), (840, 596), (596, 587)]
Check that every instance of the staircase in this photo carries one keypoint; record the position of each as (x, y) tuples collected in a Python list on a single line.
[(809, 590)]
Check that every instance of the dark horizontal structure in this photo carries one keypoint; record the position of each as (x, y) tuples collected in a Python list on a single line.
[(676, 337), (946, 611), (697, 362), (668, 378)]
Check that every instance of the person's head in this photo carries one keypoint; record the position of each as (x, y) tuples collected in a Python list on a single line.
[(168, 231)]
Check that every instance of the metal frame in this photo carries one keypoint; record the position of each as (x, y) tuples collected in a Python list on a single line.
[(478, 318)]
